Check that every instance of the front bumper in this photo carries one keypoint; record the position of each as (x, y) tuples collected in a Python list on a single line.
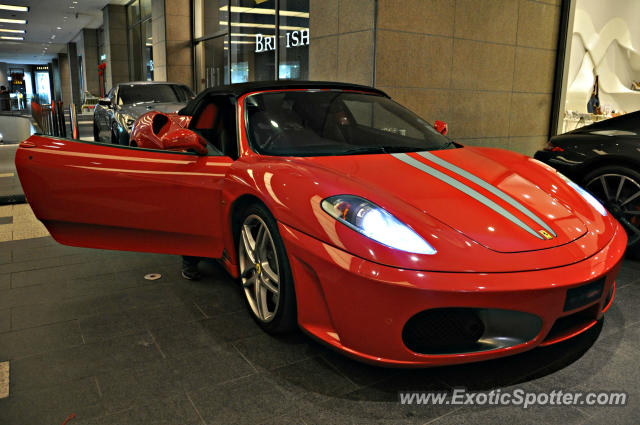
[(361, 307)]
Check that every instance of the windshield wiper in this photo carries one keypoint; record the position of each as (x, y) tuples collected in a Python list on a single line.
[(382, 149), (449, 143)]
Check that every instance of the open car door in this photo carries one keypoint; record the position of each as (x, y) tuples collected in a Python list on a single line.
[(114, 197)]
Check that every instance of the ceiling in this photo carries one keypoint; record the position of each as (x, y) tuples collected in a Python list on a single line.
[(43, 20)]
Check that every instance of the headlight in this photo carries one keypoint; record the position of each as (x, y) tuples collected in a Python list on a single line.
[(375, 223), (586, 195)]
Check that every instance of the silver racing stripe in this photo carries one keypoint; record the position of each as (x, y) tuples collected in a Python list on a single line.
[(465, 189), (477, 180)]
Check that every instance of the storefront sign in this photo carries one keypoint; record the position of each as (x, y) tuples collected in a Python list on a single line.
[(294, 39)]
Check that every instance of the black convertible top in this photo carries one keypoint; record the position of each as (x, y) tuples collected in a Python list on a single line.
[(237, 90)]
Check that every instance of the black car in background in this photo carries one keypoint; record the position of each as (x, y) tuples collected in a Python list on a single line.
[(604, 158), (115, 114)]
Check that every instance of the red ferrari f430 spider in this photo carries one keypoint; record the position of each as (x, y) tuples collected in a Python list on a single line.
[(343, 213)]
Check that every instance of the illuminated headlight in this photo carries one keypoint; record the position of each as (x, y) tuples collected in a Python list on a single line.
[(374, 222), (586, 195)]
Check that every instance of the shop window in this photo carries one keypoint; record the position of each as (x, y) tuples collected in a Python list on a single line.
[(253, 44), (210, 52), (294, 40), (256, 40), (140, 40)]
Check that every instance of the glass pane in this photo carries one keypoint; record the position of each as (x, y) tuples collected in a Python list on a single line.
[(147, 51), (133, 13), (294, 39), (135, 59), (210, 17), (252, 40), (211, 63), (335, 123), (158, 93), (145, 9)]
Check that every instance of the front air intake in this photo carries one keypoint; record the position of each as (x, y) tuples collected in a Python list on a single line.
[(466, 330)]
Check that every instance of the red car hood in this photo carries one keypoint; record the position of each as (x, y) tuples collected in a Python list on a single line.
[(496, 198)]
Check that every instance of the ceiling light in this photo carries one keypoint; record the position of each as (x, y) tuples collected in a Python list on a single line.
[(58, 28), (13, 21), (252, 25), (261, 11), (10, 30), (9, 37), (14, 8)]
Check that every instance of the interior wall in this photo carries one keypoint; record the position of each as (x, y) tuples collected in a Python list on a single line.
[(341, 40), (485, 68)]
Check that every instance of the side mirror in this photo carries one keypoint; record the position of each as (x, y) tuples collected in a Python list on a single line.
[(183, 139), (104, 101), (441, 127)]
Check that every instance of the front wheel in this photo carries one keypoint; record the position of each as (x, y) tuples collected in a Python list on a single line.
[(618, 188), (265, 273)]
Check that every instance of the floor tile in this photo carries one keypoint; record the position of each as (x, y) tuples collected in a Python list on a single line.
[(53, 368), (311, 379), (26, 342), (168, 411), (54, 405), (270, 352), (246, 400), (5, 320)]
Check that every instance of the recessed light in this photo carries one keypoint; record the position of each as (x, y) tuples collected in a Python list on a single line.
[(14, 8), (72, 7), (10, 37), (58, 28), (13, 21), (10, 30)]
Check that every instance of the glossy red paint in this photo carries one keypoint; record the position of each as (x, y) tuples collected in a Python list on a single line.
[(143, 135), (352, 293)]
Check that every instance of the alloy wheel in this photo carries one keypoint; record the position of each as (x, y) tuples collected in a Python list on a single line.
[(620, 194), (259, 268)]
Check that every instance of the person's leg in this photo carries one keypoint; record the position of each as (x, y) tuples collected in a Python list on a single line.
[(190, 268)]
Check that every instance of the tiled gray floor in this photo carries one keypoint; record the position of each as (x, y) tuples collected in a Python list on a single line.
[(27, 342), (5, 320), (5, 281), (86, 333)]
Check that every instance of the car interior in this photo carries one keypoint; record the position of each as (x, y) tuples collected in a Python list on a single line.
[(215, 121)]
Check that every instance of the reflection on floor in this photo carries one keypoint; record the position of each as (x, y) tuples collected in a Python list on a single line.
[(18, 222), (85, 333)]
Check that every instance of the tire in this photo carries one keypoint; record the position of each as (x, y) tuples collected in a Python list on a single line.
[(114, 135), (264, 269), (119, 138), (96, 132), (615, 186)]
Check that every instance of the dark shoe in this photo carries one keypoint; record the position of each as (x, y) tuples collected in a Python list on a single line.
[(191, 273)]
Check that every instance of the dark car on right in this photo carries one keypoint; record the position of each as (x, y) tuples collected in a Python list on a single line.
[(604, 158)]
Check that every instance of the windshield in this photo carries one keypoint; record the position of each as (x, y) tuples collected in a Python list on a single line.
[(157, 93), (316, 123)]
